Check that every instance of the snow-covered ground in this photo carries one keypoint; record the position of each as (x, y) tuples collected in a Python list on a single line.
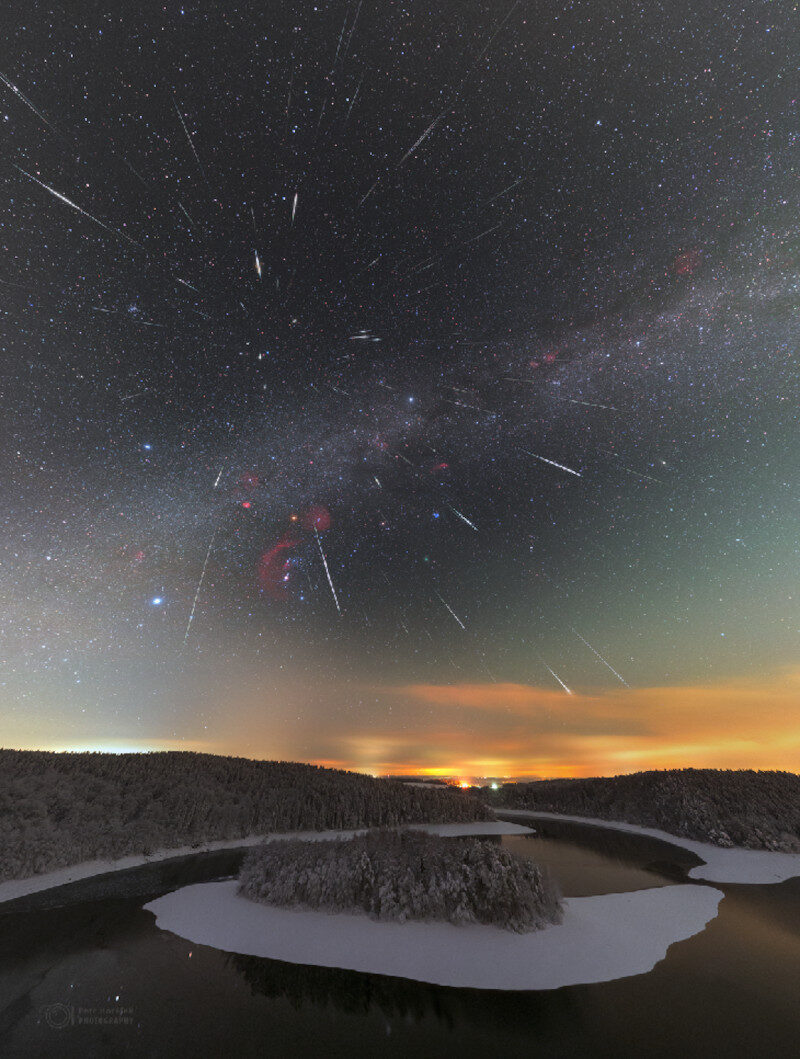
[(736, 865), (601, 938), (13, 888)]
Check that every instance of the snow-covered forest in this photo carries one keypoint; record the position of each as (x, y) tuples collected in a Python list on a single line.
[(60, 809), (402, 875), (759, 810)]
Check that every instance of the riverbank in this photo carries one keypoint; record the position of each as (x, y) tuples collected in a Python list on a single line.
[(737, 865), (12, 889)]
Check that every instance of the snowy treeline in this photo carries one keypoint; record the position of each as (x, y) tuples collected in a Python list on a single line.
[(60, 809), (760, 810), (404, 875)]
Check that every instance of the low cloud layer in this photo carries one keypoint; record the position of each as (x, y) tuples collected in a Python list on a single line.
[(476, 730)]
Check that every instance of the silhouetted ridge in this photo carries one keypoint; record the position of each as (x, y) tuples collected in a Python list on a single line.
[(759, 810)]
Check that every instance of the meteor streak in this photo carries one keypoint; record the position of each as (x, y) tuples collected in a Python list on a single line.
[(628, 470), (364, 198), (255, 235), (480, 235), (504, 191), (606, 664), (294, 205), (558, 678), (421, 139), (589, 404), (353, 28), (353, 100), (191, 143), (199, 587), (460, 622), (327, 571), (553, 463), (638, 474), (75, 206), (463, 517), (25, 100), (341, 35), (188, 218)]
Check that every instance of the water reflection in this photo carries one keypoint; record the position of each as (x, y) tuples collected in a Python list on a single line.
[(351, 992), (588, 860), (312, 990), (731, 989)]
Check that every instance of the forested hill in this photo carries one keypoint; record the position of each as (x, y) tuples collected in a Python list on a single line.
[(760, 810), (60, 809)]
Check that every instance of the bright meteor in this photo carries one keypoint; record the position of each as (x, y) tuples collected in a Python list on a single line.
[(75, 206), (460, 622), (558, 678), (463, 517), (10, 85), (553, 463)]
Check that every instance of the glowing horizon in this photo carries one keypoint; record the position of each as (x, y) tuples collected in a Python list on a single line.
[(496, 731)]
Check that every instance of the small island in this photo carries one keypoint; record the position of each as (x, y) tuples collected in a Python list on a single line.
[(404, 875)]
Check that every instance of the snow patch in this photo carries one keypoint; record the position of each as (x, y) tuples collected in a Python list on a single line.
[(737, 865), (601, 938)]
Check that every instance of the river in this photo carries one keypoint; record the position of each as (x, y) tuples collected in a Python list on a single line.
[(85, 972)]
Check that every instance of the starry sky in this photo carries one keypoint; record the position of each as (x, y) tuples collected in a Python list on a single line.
[(402, 386)]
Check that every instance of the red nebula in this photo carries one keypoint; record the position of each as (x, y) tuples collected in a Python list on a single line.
[(245, 503), (550, 358), (249, 480), (274, 566), (317, 518), (440, 467), (686, 263)]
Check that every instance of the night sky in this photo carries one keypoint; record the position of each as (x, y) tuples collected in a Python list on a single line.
[(402, 386)]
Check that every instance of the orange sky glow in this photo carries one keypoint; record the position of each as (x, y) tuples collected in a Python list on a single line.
[(502, 730)]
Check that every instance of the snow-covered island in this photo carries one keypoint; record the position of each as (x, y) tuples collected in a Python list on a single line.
[(601, 938), (404, 875), (403, 905)]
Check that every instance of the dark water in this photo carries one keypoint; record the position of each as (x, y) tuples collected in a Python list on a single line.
[(95, 977)]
